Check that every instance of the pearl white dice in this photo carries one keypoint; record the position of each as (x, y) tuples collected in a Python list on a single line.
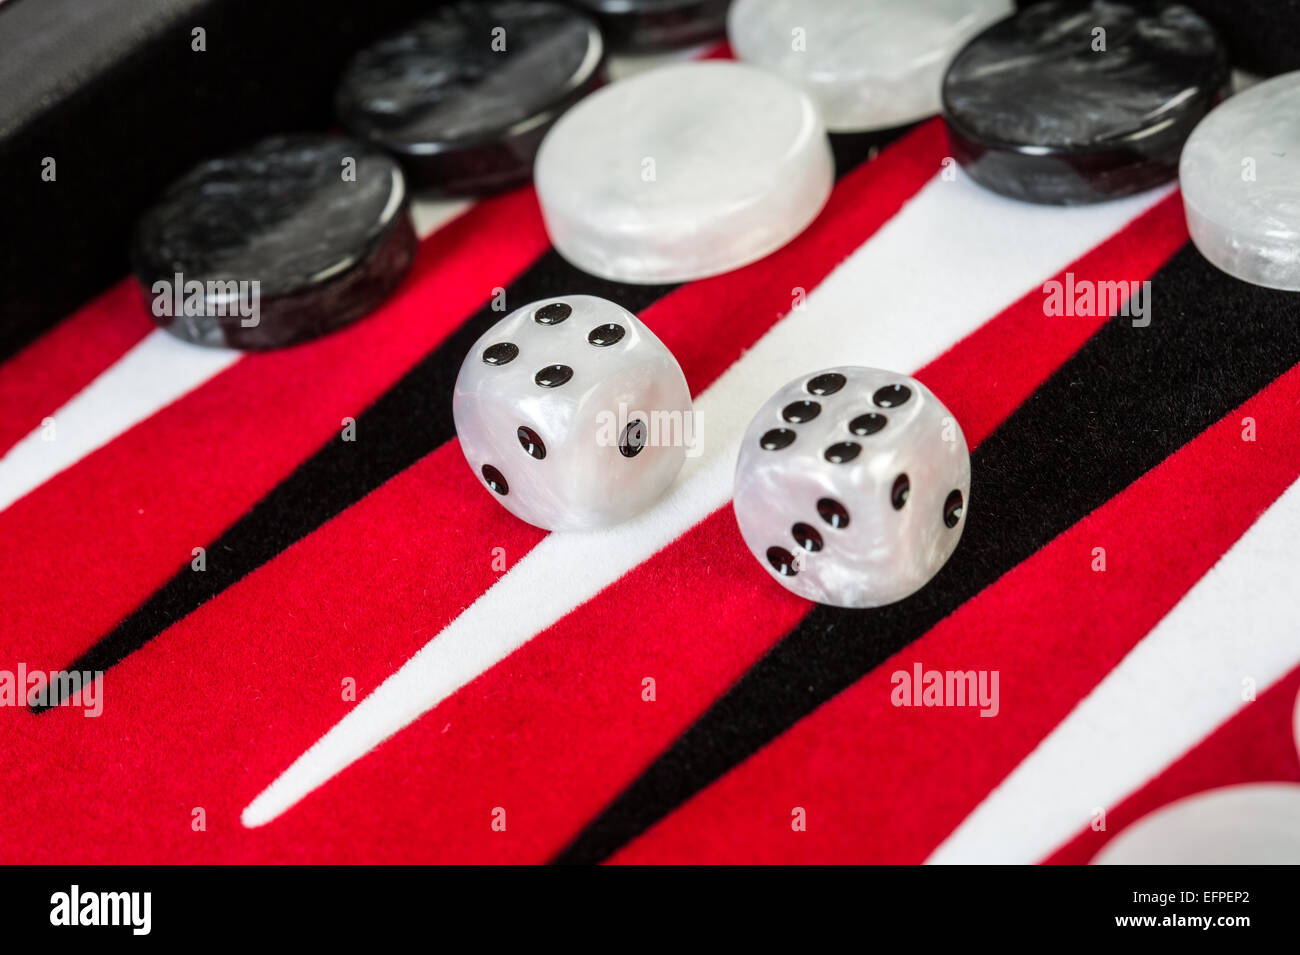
[(572, 413), (851, 486)]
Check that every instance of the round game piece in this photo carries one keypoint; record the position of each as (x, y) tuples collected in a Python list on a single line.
[(1067, 104), (464, 97), (1253, 824), (869, 64), (682, 172), (1240, 177), (276, 244), (644, 25)]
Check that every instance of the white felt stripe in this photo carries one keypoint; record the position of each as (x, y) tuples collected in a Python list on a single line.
[(430, 215), (1182, 681), (147, 378), (951, 258)]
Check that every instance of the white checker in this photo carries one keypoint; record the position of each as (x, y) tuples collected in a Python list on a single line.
[(869, 64), (683, 172)]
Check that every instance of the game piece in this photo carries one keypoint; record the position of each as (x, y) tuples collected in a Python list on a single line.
[(573, 413), (852, 486), (869, 64), (275, 244), (1251, 824), (1067, 104), (1240, 178), (646, 25), (683, 172), (464, 97)]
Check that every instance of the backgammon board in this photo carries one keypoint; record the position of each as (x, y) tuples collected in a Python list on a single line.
[(313, 634)]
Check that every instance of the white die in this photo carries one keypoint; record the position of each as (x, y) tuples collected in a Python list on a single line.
[(572, 413), (851, 486)]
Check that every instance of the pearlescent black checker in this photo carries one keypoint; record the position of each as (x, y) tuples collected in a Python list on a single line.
[(1067, 102), (464, 96), (645, 25), (276, 244)]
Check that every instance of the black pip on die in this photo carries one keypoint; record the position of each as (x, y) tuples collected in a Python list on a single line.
[(851, 486), (572, 413)]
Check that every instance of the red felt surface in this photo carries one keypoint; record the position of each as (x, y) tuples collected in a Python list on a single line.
[(128, 515), (1258, 745), (1035, 625), (43, 376)]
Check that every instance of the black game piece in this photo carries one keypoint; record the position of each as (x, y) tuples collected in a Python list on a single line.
[(1262, 36), (646, 25), (464, 97), (1068, 103), (276, 244)]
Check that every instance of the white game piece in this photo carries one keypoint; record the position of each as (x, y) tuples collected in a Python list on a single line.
[(1240, 178), (683, 172), (1255, 824), (869, 64)]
